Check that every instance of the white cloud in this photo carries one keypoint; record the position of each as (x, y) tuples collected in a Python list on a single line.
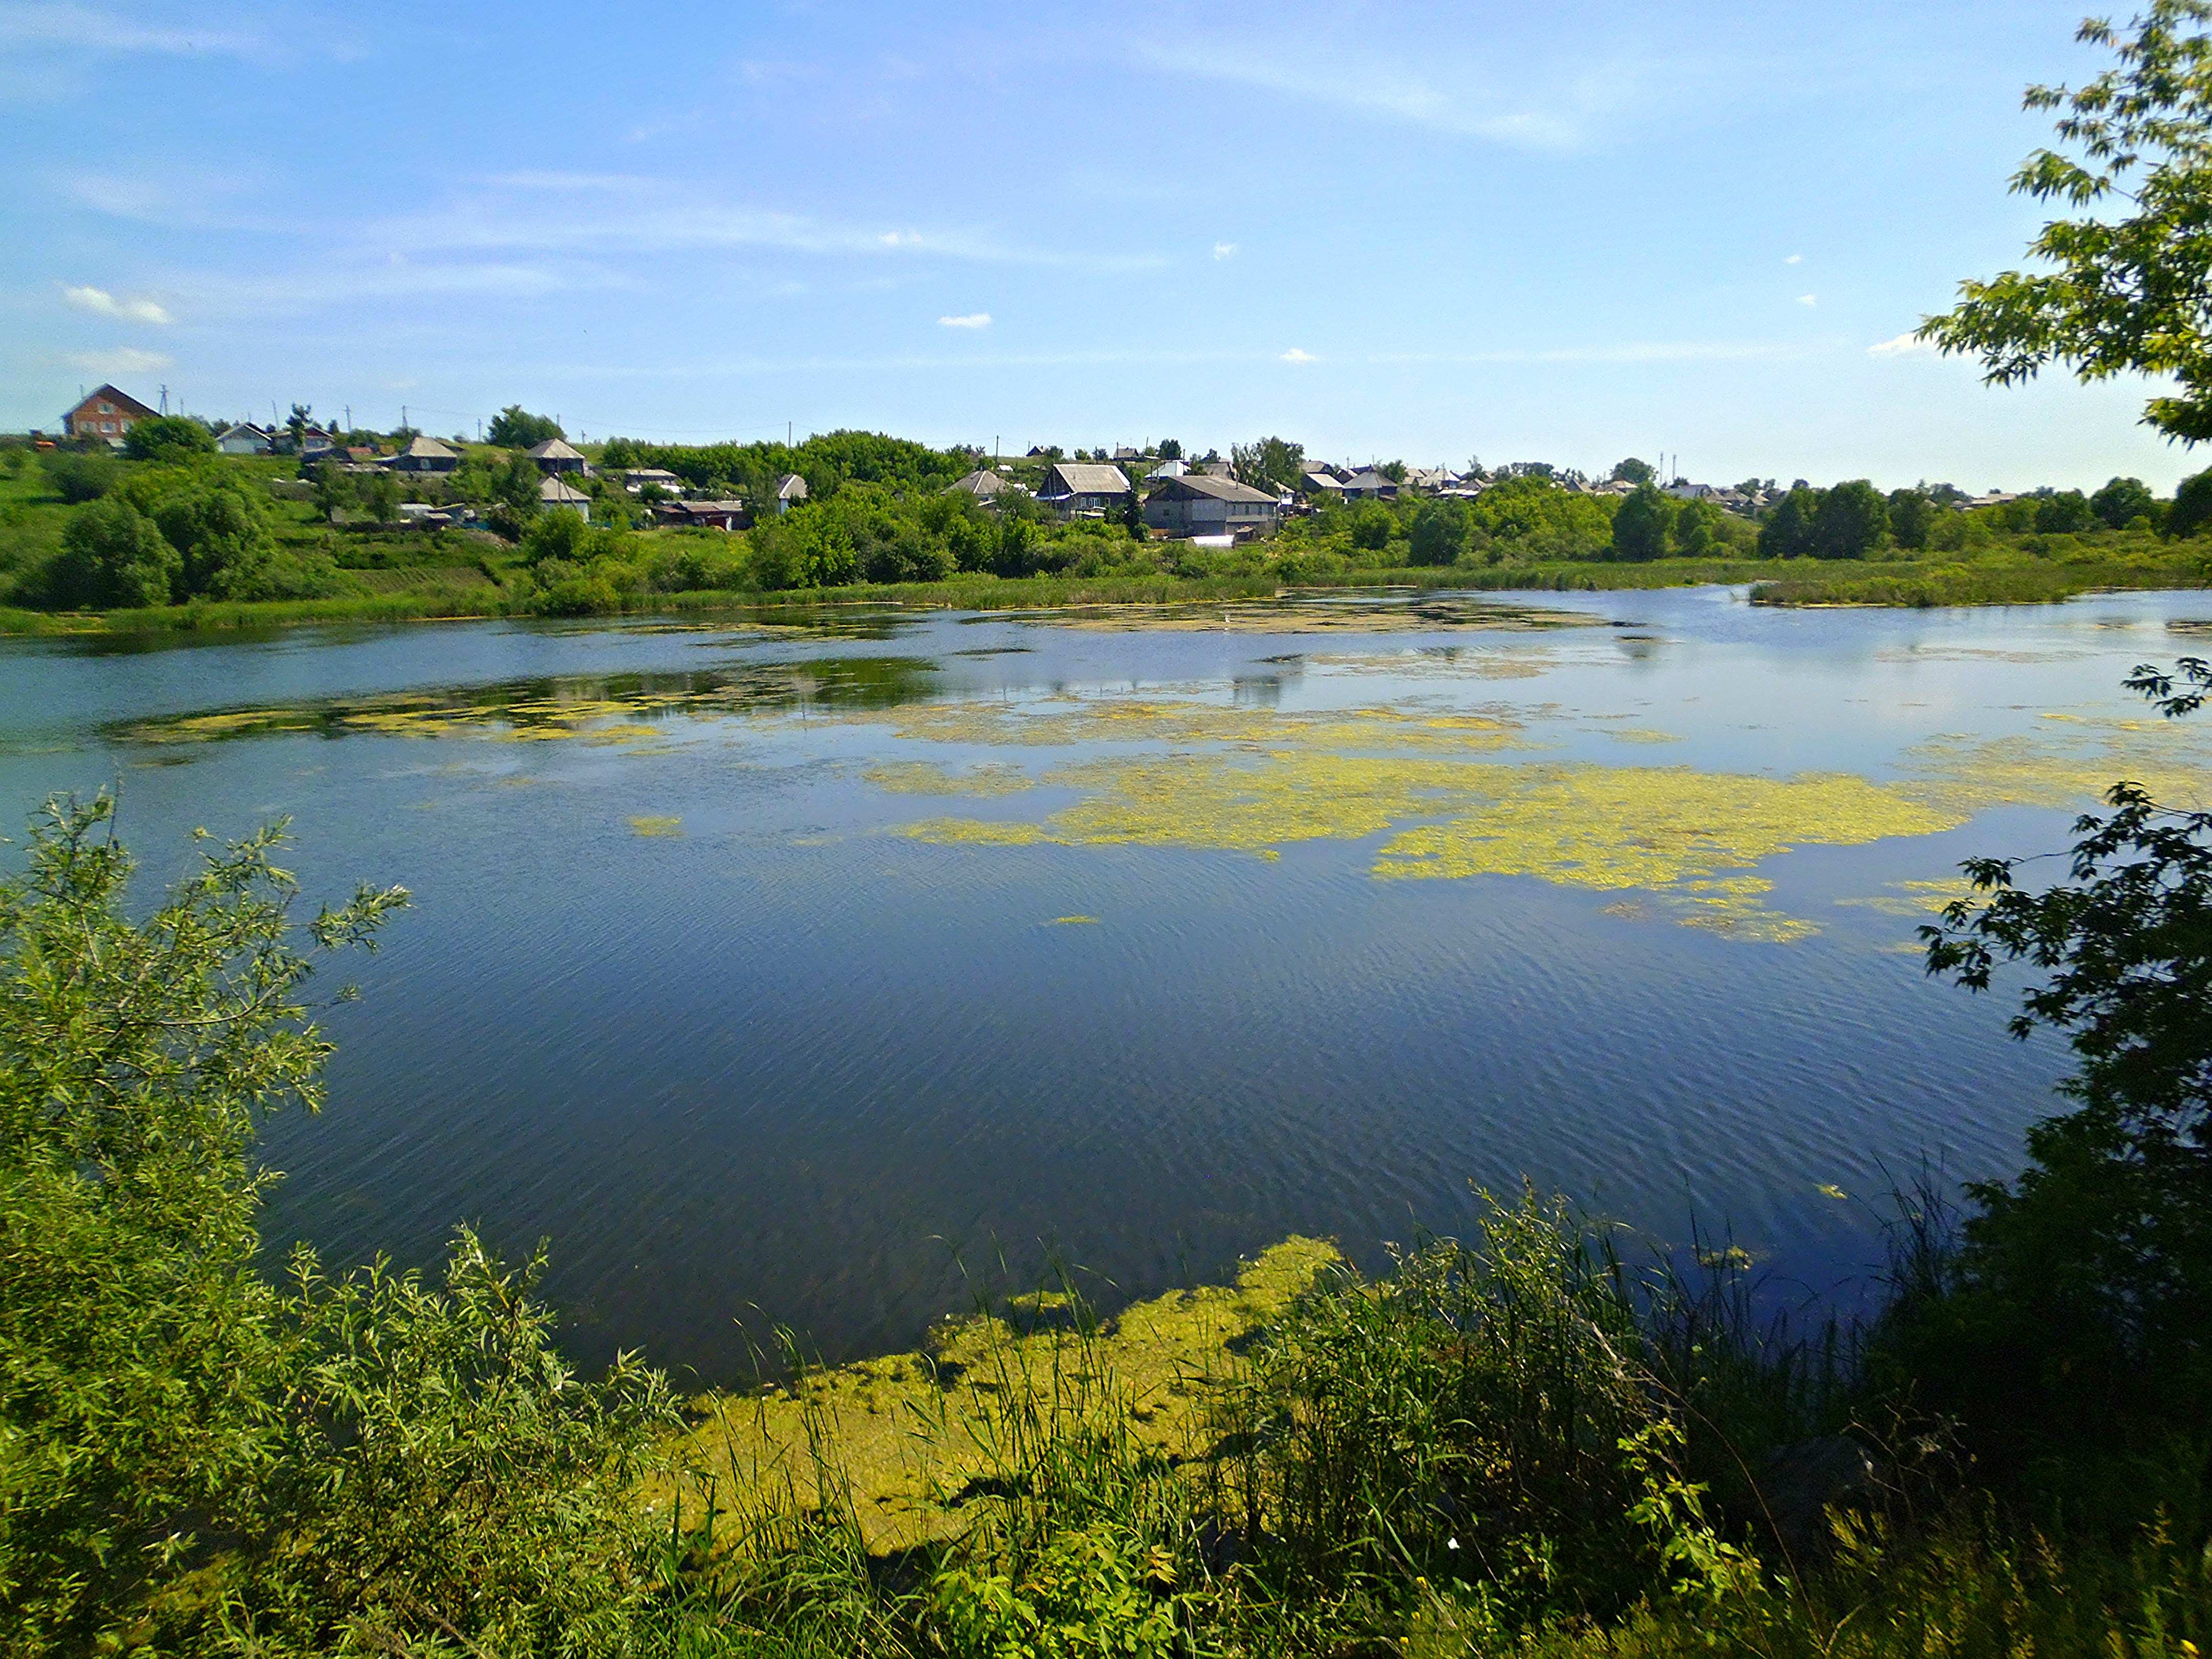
[(1224, 250), (1808, 299), (1795, 259), (1905, 345), (87, 26), (974, 320), (100, 301), (122, 359), (1295, 354)]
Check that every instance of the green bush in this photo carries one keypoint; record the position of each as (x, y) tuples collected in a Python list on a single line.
[(80, 476), (113, 556), (168, 438)]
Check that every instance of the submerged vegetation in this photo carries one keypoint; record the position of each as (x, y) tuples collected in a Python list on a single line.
[(1534, 1439)]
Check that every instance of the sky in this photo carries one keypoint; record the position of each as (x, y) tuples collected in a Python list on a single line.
[(1572, 231)]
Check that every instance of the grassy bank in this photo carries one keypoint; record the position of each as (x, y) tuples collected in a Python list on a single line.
[(1993, 580)]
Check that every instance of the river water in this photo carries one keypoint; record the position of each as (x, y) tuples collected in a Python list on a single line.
[(824, 975)]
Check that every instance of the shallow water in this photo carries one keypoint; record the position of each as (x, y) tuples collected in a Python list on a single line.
[(792, 975)]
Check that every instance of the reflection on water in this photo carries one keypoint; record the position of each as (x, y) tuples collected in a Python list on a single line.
[(782, 978)]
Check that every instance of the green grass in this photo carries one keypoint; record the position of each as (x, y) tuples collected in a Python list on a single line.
[(2003, 580)]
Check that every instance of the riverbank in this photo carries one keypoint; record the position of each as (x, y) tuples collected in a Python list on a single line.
[(437, 594)]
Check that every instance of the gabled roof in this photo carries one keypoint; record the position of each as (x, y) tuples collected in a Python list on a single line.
[(427, 449), (791, 488), (1084, 478), (554, 450), (985, 482), (246, 427), (1370, 479), (554, 492), (1200, 483), (1321, 481), (122, 401)]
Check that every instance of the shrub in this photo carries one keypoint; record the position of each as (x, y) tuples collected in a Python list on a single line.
[(80, 476), (168, 438)]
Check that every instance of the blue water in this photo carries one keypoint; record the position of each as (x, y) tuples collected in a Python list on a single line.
[(789, 1067)]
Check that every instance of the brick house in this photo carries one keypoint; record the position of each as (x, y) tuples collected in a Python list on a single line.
[(106, 414)]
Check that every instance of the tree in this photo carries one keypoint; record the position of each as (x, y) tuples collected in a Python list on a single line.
[(516, 427), (1633, 472), (378, 494), (1170, 449), (1912, 516), (2192, 505), (217, 523), (2122, 501), (1697, 530), (2084, 1294), (1641, 524), (1439, 534), (1787, 531), (1133, 516), (113, 556), (1270, 463), (297, 424), (2063, 513), (1850, 522), (168, 438), (2127, 294), (1372, 526)]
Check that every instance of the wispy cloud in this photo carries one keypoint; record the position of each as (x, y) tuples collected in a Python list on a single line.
[(1905, 345), (57, 23), (1808, 299), (587, 213), (1296, 354), (1795, 259), (120, 360), (974, 319), (1224, 250), (100, 302), (1445, 90)]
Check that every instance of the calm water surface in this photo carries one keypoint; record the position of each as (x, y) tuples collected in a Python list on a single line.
[(682, 991)]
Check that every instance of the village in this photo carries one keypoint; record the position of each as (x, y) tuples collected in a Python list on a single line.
[(1210, 502)]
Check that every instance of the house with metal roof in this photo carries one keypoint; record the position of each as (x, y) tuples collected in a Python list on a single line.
[(1197, 505), (424, 455), (790, 489), (1085, 487), (554, 456), (984, 484), (1369, 486), (557, 492)]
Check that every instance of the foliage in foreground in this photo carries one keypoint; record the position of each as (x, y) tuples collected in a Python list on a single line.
[(1509, 1445)]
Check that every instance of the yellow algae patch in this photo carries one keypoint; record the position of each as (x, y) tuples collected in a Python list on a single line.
[(906, 1432), (1674, 831), (1652, 827), (1639, 734), (1915, 899), (1068, 723), (657, 826), (2066, 767), (1075, 922), (928, 778)]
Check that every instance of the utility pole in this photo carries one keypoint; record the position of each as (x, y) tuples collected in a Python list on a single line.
[(349, 417), (787, 434), (165, 400)]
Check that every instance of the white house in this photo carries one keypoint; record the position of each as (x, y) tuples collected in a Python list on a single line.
[(554, 492), (244, 439)]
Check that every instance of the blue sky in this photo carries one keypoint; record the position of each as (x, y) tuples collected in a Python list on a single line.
[(1572, 231)]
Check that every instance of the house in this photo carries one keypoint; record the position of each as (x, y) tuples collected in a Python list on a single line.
[(1324, 486), (244, 439), (1195, 505), (106, 414), (635, 478), (1430, 477), (553, 492), (422, 455), (554, 456), (984, 484), (1369, 486), (731, 515), (1085, 487), (1166, 470), (789, 489)]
